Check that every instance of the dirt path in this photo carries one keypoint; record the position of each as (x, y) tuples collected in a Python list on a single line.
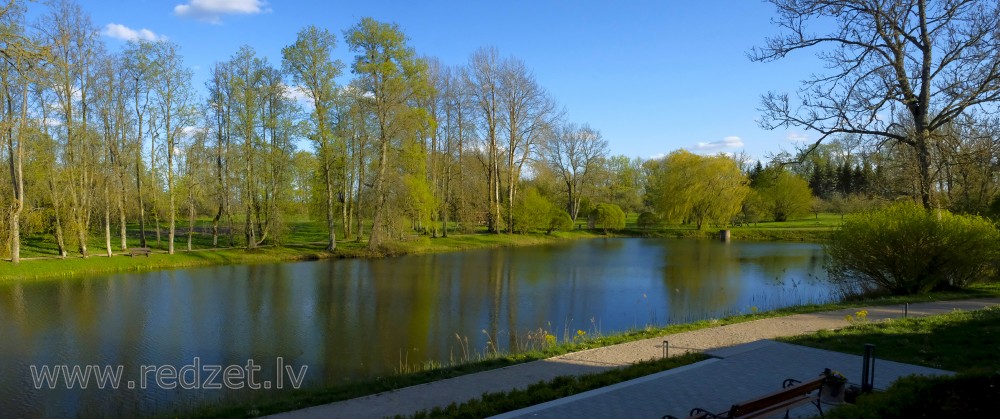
[(409, 400)]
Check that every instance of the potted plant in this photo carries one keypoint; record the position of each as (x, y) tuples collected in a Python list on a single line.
[(833, 387)]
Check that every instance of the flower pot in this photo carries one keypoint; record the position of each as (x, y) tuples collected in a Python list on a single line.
[(833, 393)]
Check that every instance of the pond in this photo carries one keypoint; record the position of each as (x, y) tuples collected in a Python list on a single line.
[(333, 322)]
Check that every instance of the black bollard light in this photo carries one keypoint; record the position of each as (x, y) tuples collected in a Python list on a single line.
[(868, 369)]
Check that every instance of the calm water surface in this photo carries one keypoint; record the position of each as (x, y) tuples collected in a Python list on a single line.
[(355, 319)]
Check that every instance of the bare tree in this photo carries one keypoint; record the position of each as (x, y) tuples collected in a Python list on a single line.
[(75, 50), (139, 68), (527, 112), (574, 153), (901, 70), (18, 55), (483, 82), (175, 99)]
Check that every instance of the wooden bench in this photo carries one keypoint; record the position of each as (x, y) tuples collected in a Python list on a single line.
[(135, 251), (794, 393)]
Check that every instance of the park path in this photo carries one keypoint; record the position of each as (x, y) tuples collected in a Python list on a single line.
[(409, 400)]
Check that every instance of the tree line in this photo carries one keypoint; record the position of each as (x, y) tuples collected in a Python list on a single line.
[(116, 144), (99, 142)]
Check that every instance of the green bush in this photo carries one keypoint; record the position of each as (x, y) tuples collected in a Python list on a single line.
[(559, 219), (905, 249), (648, 220), (608, 217), (966, 395), (531, 211)]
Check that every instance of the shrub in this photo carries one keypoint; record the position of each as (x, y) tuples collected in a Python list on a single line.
[(787, 195), (608, 217), (648, 220), (904, 249), (531, 211), (559, 219), (965, 395)]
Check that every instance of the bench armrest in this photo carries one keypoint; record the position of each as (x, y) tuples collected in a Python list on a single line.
[(789, 382), (702, 413)]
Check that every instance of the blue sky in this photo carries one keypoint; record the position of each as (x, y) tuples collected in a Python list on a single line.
[(652, 76)]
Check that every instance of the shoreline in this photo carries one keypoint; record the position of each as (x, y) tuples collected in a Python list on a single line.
[(76, 267), (369, 391)]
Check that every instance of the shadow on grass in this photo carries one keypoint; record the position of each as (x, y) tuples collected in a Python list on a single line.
[(958, 341), (963, 396)]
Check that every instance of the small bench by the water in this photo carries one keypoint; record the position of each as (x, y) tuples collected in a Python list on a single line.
[(794, 393), (136, 251)]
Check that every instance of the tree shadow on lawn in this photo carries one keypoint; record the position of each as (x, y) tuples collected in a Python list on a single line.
[(958, 341)]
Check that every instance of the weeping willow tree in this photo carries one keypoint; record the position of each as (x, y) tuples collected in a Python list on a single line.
[(687, 187)]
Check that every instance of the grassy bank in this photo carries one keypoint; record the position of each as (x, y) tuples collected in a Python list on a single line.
[(73, 266), (812, 228), (274, 403), (964, 342), (305, 242)]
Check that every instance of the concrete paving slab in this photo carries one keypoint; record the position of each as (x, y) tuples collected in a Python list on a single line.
[(745, 373)]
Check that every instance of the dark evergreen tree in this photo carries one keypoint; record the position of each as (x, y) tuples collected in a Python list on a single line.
[(859, 183), (754, 174), (844, 174)]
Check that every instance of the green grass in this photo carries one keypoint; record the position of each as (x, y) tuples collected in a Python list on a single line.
[(959, 341), (305, 241), (965, 342), (969, 395), (811, 228), (275, 403)]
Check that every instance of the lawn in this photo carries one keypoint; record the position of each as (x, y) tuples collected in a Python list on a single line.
[(965, 342), (811, 228), (304, 241)]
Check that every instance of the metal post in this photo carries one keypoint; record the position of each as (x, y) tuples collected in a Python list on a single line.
[(906, 309), (868, 369), (666, 349)]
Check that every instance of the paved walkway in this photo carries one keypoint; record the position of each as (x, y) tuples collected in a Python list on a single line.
[(409, 400), (733, 374)]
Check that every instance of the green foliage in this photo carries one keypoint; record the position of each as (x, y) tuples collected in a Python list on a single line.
[(559, 220), (532, 211), (904, 249), (966, 395), (648, 220), (608, 217), (754, 208), (685, 186), (962, 341), (786, 195)]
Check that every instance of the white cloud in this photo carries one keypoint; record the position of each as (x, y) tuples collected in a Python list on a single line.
[(212, 10), (728, 142), (797, 137), (658, 156), (298, 94), (125, 33), (190, 131)]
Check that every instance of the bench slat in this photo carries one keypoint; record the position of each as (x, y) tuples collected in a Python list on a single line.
[(799, 390), (787, 398)]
